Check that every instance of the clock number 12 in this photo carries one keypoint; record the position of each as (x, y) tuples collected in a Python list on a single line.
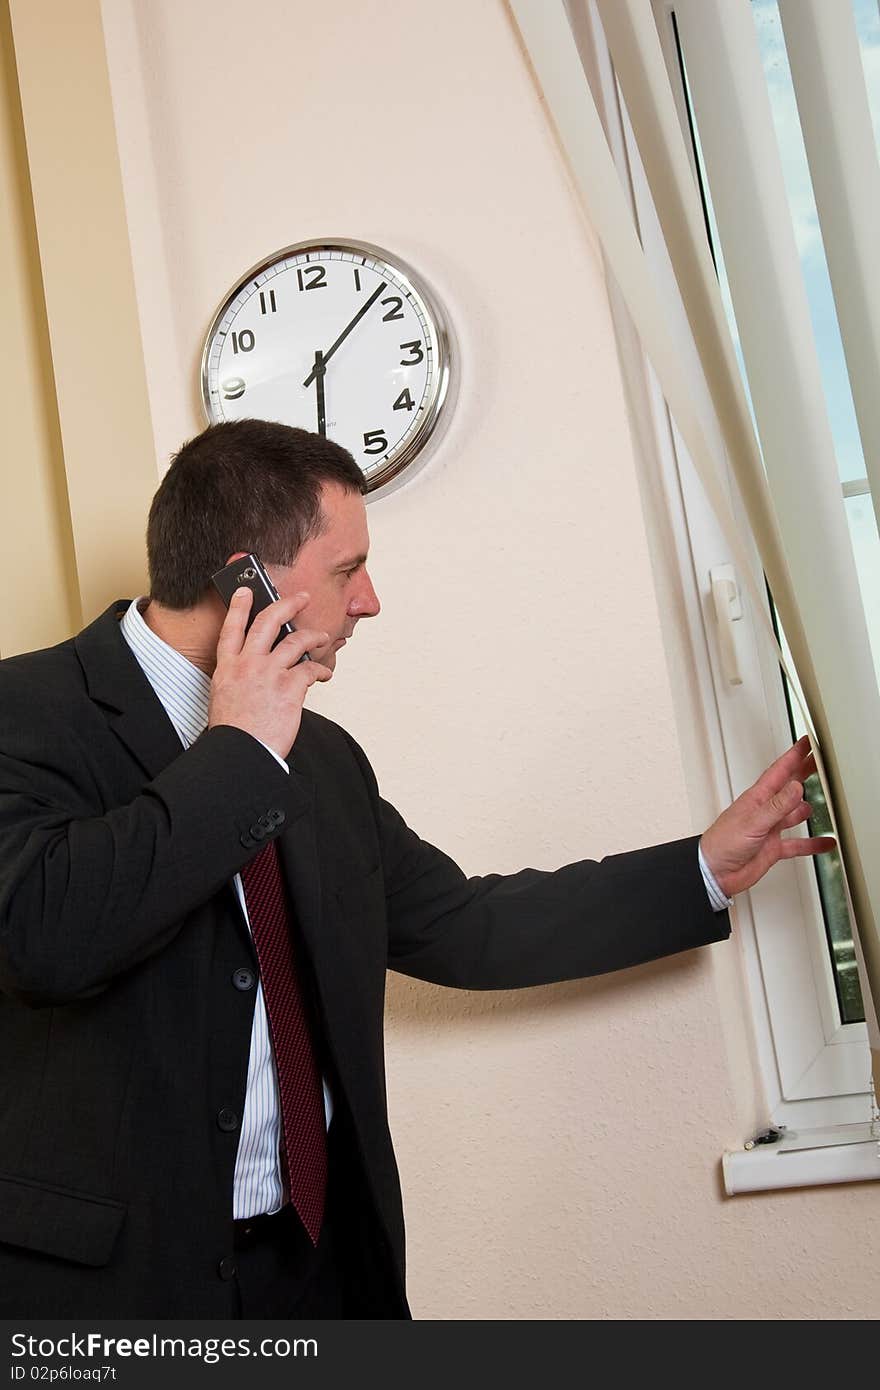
[(311, 277)]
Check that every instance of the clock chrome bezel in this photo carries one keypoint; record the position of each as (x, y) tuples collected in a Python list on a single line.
[(413, 447)]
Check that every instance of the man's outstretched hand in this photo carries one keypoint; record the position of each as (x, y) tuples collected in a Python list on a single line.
[(746, 839)]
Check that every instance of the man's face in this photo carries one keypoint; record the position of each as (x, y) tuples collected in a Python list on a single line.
[(332, 570)]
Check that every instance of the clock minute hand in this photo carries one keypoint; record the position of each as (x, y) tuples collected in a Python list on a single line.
[(346, 330)]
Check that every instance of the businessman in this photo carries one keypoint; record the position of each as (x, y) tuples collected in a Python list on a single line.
[(201, 890)]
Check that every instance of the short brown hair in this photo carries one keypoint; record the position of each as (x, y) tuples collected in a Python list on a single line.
[(250, 485)]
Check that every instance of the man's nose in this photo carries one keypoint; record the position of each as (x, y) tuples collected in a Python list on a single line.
[(365, 603)]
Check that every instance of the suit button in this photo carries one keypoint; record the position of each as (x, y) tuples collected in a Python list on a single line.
[(247, 841), (258, 831), (276, 815), (266, 822), (226, 1267), (227, 1120), (244, 979)]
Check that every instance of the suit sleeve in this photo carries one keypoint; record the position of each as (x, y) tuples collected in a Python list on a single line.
[(536, 927), (84, 897)]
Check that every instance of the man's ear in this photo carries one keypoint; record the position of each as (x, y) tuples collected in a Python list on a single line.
[(238, 555)]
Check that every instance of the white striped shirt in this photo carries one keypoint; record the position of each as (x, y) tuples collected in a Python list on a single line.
[(717, 896), (184, 690)]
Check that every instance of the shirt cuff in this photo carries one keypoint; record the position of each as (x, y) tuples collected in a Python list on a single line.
[(275, 755), (719, 902)]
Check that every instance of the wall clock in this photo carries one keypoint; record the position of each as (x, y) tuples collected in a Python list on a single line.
[(339, 337)]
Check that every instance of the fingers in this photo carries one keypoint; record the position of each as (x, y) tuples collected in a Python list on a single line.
[(807, 768), (815, 844), (231, 638), (798, 816), (266, 625), (780, 772), (310, 672), (291, 649), (769, 814)]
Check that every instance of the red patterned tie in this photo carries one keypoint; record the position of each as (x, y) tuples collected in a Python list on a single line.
[(304, 1150)]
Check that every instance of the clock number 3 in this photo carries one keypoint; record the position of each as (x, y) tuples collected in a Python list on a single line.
[(416, 350)]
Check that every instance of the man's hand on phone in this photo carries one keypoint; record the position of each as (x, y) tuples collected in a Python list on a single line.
[(259, 690)]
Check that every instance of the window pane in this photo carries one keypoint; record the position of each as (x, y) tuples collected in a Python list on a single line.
[(841, 412), (867, 13)]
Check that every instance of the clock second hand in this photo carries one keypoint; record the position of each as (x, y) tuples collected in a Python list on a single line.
[(345, 332), (318, 372)]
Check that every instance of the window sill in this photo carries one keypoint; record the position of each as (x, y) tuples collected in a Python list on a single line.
[(847, 1153)]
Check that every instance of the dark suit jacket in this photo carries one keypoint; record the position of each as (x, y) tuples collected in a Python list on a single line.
[(122, 1032)]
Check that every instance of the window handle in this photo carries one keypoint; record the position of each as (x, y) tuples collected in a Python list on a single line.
[(727, 604)]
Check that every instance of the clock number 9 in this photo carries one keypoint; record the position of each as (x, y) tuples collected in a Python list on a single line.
[(375, 442), (232, 388)]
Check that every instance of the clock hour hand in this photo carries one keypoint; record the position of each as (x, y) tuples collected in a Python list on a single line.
[(318, 374), (345, 332)]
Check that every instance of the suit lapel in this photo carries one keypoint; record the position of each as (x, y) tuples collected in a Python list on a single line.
[(116, 682)]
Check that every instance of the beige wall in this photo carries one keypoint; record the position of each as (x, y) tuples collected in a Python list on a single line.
[(559, 1148), (88, 312), (37, 541)]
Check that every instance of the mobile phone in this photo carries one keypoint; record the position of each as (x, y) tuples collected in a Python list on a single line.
[(248, 572)]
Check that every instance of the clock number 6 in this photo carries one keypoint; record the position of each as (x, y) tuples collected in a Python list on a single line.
[(375, 442), (416, 350)]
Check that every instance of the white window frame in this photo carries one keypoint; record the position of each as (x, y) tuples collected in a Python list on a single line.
[(815, 1068)]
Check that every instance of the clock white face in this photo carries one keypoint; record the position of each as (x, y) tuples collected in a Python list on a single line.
[(336, 339)]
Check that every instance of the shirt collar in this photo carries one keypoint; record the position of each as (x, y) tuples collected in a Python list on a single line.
[(182, 688)]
